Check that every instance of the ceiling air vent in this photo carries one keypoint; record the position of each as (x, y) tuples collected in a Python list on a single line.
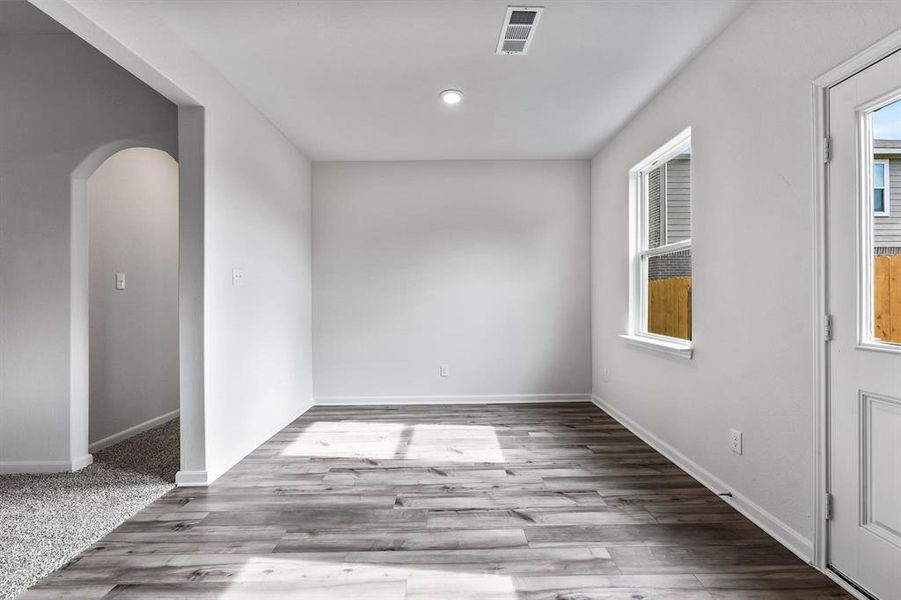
[(518, 29)]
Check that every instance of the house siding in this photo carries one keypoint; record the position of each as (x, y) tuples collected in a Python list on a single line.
[(673, 208), (887, 230), (678, 200)]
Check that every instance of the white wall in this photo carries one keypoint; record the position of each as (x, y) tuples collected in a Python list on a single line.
[(61, 100), (747, 98), (132, 202), (479, 265), (255, 188), (258, 337)]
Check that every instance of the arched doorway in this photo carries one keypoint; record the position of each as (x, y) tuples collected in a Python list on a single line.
[(132, 205), (129, 376)]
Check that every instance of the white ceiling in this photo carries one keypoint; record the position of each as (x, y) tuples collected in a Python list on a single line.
[(359, 80)]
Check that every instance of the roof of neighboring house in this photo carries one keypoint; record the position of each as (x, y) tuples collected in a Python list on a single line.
[(886, 144)]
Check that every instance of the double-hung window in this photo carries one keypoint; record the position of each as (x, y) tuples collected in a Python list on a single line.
[(661, 281)]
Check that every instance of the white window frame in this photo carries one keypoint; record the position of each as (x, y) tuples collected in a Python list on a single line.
[(640, 254), (886, 195)]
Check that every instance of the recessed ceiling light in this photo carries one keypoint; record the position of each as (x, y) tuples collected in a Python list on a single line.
[(452, 96)]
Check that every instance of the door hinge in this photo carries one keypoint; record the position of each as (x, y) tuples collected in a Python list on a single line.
[(829, 507), (827, 149), (827, 328)]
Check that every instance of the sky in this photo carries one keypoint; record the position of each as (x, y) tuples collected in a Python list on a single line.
[(887, 122)]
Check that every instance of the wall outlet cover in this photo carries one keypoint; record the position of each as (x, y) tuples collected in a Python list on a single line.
[(444, 371)]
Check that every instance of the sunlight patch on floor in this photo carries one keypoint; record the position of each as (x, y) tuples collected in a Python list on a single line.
[(384, 441), (454, 443), (339, 576)]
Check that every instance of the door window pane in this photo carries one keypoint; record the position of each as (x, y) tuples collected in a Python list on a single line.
[(885, 225)]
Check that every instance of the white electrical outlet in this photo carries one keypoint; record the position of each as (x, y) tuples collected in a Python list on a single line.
[(735, 441), (444, 371), (120, 281)]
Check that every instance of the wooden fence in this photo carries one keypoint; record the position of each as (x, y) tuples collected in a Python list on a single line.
[(887, 298), (669, 307), (669, 303)]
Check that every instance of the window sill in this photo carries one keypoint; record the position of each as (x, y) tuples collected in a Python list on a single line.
[(875, 346), (682, 350)]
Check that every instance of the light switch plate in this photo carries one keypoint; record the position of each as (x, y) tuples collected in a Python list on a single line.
[(735, 441), (120, 281), (237, 277)]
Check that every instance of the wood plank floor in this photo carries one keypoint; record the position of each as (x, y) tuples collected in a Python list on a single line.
[(499, 502)]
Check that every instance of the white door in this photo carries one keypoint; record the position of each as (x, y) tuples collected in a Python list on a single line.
[(863, 296)]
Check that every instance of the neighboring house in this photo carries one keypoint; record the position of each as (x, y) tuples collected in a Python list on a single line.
[(669, 205), (887, 196)]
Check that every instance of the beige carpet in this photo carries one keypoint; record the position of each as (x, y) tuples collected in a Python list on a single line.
[(47, 519)]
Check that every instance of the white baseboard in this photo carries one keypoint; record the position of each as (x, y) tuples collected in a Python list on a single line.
[(485, 399), (81, 462), (192, 479), (784, 534), (46, 466), (131, 431)]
